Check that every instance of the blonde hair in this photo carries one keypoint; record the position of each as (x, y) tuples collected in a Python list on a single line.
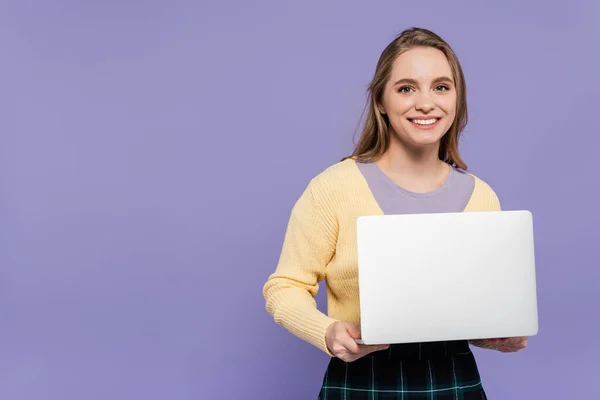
[(375, 139)]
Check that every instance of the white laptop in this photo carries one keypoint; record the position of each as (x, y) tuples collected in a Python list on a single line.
[(447, 276)]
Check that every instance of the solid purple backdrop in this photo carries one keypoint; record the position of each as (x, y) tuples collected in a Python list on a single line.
[(150, 153)]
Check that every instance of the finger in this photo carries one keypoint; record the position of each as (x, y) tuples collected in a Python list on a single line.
[(510, 349), (517, 345), (353, 330), (351, 346), (367, 349), (507, 349), (505, 341), (510, 342), (515, 340)]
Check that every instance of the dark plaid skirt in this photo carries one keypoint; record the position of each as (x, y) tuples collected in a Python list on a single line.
[(434, 371)]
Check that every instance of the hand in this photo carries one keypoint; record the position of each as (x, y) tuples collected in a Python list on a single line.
[(340, 341), (508, 345)]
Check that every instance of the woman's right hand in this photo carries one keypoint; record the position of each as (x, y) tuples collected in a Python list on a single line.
[(340, 341)]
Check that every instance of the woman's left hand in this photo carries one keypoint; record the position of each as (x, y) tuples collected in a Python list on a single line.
[(509, 345)]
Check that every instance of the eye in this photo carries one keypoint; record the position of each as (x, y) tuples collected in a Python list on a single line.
[(405, 89), (442, 88)]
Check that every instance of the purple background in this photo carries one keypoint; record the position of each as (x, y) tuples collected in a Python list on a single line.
[(150, 153)]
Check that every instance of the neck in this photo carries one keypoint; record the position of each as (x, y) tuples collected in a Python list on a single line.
[(417, 170)]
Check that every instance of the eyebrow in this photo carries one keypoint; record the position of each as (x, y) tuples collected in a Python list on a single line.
[(414, 82)]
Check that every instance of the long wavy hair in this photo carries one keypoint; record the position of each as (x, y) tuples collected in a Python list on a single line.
[(375, 137)]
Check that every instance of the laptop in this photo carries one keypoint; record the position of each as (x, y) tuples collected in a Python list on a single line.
[(446, 276)]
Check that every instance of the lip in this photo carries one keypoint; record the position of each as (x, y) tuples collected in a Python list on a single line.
[(425, 127)]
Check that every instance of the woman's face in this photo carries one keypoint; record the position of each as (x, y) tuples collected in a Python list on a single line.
[(420, 97)]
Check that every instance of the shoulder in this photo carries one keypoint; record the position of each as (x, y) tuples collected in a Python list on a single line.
[(338, 170), (325, 192), (483, 198), (336, 186), (483, 186), (335, 177)]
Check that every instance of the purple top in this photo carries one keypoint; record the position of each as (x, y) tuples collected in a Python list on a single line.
[(452, 196)]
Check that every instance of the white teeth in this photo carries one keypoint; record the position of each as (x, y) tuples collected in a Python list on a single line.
[(424, 121)]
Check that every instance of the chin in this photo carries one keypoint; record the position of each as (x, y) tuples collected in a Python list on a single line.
[(420, 138), (425, 145), (426, 139)]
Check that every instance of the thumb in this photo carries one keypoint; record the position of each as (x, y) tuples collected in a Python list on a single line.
[(353, 330)]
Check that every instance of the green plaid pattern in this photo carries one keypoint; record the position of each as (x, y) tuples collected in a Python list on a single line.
[(424, 371)]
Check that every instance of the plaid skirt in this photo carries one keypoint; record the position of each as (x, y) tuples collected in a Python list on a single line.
[(434, 371)]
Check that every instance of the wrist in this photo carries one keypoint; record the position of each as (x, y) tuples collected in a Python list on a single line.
[(328, 333)]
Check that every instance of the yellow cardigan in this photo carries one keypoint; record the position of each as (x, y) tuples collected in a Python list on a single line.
[(320, 242)]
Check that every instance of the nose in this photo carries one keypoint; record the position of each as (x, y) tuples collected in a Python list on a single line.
[(425, 103)]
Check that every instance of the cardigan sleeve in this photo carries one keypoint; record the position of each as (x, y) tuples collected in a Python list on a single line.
[(483, 198), (308, 246), (487, 200)]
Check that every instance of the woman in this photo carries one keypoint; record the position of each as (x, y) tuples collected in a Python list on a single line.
[(406, 161)]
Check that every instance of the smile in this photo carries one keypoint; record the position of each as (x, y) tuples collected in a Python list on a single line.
[(424, 123)]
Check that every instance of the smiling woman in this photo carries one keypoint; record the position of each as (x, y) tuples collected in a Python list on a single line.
[(442, 95), (406, 161), (428, 76)]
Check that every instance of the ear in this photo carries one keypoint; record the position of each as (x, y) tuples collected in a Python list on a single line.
[(381, 108)]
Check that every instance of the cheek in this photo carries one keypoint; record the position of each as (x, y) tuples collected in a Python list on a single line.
[(448, 104), (399, 105)]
